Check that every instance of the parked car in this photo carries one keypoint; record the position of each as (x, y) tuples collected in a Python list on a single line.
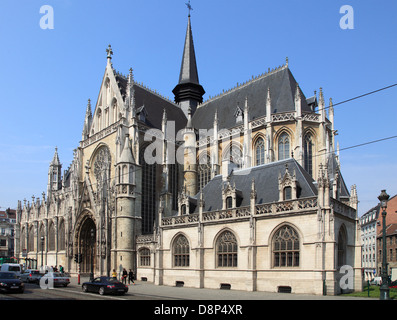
[(56, 278), (376, 281), (12, 267), (9, 282), (105, 285), (31, 276), (393, 284)]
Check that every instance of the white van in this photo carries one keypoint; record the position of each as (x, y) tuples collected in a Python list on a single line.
[(12, 267)]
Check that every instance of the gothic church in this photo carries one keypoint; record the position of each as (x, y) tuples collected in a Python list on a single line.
[(257, 201)]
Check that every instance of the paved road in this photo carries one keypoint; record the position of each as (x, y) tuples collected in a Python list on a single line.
[(148, 291)]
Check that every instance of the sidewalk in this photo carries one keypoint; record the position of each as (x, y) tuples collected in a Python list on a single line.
[(149, 289)]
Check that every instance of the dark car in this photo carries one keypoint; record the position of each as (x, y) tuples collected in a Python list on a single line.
[(393, 284), (9, 282), (105, 285)]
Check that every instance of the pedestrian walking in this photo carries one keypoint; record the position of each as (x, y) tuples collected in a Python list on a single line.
[(125, 276), (131, 277), (114, 274)]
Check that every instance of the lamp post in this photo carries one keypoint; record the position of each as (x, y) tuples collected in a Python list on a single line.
[(42, 249), (92, 255), (384, 288)]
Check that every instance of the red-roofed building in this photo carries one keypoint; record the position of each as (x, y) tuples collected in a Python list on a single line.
[(391, 236)]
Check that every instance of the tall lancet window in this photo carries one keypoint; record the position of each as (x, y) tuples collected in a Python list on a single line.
[(260, 151), (204, 172), (283, 147), (148, 207), (308, 153)]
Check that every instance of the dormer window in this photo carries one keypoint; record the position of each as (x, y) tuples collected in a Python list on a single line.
[(239, 114), (288, 185), (229, 203), (183, 209), (287, 193), (142, 114)]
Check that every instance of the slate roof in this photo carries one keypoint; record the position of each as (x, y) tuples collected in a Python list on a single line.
[(154, 105), (282, 85), (266, 184)]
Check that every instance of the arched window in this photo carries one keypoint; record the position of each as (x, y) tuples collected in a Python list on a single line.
[(22, 240), (226, 248), (61, 236), (42, 235), (234, 155), (51, 237), (308, 153), (181, 252), (341, 248), (286, 247), (283, 147), (260, 151), (144, 257), (31, 239), (99, 120), (114, 110), (183, 209), (204, 172)]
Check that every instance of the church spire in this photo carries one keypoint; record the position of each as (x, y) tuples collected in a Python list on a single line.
[(188, 92), (189, 65)]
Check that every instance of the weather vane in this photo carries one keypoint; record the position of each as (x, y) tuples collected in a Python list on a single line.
[(189, 6)]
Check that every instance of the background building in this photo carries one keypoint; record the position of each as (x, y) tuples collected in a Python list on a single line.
[(7, 228), (391, 239), (369, 233)]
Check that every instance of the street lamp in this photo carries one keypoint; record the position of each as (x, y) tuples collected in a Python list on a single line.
[(42, 249), (384, 288), (92, 255)]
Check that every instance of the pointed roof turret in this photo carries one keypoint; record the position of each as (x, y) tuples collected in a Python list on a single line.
[(87, 121), (189, 92), (126, 155), (189, 72), (55, 160)]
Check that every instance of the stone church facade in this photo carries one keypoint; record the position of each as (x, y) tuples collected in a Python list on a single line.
[(243, 190)]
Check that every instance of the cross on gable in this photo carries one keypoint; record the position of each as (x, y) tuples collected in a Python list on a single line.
[(109, 51)]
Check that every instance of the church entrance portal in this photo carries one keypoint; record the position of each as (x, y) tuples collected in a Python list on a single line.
[(87, 245)]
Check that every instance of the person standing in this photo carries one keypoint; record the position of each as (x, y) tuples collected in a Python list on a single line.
[(125, 276), (131, 277), (114, 274)]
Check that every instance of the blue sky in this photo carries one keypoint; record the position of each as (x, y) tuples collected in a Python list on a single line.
[(48, 75)]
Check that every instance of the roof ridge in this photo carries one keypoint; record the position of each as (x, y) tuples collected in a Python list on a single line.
[(143, 86), (155, 92), (244, 84)]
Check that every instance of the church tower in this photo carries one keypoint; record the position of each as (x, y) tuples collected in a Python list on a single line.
[(128, 220), (189, 93), (190, 165)]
